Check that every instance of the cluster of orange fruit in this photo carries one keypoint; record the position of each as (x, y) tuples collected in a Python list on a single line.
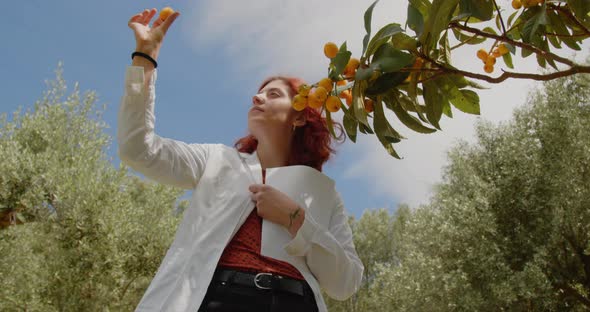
[(322, 94), (517, 4), (489, 59)]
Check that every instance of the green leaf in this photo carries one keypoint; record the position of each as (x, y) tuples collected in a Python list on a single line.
[(408, 120), (433, 99), (438, 19), (557, 23), (511, 17), (389, 59), (445, 49), (466, 101), (531, 26), (358, 105), (483, 10), (580, 9), (368, 17), (363, 73), (340, 61), (385, 82), (388, 147), (402, 41), (415, 20), (382, 36), (350, 126), (507, 58), (366, 129), (447, 109), (330, 123), (382, 127), (470, 39)]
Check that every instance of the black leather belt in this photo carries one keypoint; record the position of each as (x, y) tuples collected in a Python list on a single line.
[(260, 281)]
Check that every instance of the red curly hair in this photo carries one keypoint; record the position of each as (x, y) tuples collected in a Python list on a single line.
[(312, 142)]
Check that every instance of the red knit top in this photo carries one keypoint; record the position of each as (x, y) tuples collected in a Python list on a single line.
[(243, 251)]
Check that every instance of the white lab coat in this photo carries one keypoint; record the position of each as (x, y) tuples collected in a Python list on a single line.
[(323, 249)]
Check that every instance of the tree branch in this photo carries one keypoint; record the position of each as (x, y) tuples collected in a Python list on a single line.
[(576, 69), (545, 54)]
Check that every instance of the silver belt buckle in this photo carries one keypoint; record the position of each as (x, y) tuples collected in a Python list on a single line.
[(256, 280)]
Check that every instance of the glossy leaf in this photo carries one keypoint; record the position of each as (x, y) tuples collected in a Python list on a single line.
[(433, 99), (382, 36), (483, 10), (350, 126), (385, 82), (368, 17), (408, 120), (389, 59), (438, 19), (340, 61), (415, 20)]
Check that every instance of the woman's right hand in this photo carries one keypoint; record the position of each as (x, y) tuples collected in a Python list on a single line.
[(149, 39)]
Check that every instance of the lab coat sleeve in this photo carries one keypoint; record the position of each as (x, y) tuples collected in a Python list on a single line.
[(330, 253), (161, 159)]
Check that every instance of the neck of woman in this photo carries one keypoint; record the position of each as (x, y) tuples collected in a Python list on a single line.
[(273, 153)]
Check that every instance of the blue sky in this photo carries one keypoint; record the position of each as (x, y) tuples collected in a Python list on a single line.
[(212, 60), (200, 98)]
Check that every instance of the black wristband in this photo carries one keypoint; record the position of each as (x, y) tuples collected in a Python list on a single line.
[(149, 58)]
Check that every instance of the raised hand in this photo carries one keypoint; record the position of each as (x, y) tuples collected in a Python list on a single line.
[(149, 39)]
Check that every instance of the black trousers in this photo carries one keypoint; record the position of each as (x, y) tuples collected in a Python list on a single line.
[(237, 298)]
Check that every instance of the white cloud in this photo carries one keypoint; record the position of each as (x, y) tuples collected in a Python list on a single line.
[(267, 37)]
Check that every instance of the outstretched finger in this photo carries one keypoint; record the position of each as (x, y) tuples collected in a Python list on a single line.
[(147, 16), (166, 24)]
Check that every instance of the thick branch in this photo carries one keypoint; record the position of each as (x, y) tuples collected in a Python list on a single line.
[(576, 69), (545, 54)]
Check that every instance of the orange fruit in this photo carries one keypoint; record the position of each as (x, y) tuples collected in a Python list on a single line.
[(347, 95), (167, 11), (304, 90), (327, 84), (496, 52), (503, 49), (482, 54), (333, 104), (341, 82), (488, 68), (330, 50), (369, 105), (351, 67), (317, 97), (299, 102), (490, 61), (516, 4)]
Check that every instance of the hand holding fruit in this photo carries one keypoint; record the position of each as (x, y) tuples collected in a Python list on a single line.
[(149, 39)]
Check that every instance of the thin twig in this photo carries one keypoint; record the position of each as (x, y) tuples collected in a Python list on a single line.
[(501, 20)]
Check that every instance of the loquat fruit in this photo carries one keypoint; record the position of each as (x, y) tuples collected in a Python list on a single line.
[(167, 11), (327, 84), (482, 54), (330, 50), (299, 102), (333, 104)]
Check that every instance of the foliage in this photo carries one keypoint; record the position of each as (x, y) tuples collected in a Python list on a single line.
[(88, 236), (409, 70), (509, 227)]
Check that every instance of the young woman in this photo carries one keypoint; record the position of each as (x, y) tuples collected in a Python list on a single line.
[(265, 229)]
